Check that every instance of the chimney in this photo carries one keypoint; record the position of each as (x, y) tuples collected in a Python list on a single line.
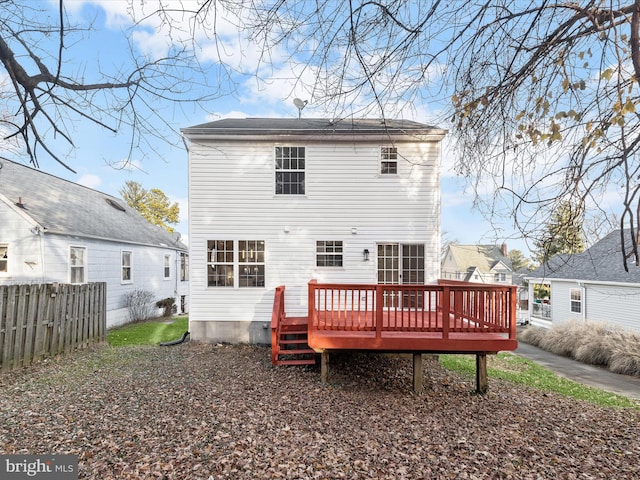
[(504, 249)]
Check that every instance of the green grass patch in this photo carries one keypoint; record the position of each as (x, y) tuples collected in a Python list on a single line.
[(148, 333), (515, 369)]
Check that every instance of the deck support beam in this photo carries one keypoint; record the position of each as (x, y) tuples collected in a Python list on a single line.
[(324, 366), (481, 373), (417, 372)]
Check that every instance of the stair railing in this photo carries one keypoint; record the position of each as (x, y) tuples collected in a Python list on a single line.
[(276, 320)]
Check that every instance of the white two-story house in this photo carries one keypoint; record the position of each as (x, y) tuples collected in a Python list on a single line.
[(276, 201)]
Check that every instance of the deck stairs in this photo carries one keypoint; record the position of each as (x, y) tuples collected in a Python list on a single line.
[(291, 343)]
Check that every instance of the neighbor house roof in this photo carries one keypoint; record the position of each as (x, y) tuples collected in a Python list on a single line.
[(602, 263), (63, 207), (484, 258), (278, 127)]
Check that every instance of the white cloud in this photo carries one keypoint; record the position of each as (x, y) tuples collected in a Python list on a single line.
[(90, 180)]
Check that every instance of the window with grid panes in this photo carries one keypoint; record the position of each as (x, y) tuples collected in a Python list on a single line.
[(220, 263), (290, 170), (388, 160), (329, 253), (77, 256), (251, 263)]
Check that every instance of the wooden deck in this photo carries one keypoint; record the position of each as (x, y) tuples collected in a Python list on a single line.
[(411, 318), (450, 317)]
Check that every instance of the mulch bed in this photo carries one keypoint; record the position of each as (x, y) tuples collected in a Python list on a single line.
[(198, 411)]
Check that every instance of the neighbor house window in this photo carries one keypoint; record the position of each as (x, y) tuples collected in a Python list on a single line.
[(500, 277), (126, 266), (77, 264), (329, 253), (184, 267), (220, 263), (4, 258), (388, 160), (251, 263), (290, 166), (576, 300), (167, 266)]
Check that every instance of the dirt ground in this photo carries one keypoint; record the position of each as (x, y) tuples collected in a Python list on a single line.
[(198, 411)]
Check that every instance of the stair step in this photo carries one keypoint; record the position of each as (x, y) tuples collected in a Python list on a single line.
[(297, 351), (294, 329), (310, 361)]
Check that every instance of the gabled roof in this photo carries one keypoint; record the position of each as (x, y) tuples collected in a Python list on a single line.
[(349, 128), (602, 262), (63, 207), (485, 258)]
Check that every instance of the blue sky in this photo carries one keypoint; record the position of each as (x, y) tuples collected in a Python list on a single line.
[(97, 151)]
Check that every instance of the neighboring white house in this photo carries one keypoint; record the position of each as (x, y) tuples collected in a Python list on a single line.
[(53, 230), (477, 263), (589, 286), (283, 201)]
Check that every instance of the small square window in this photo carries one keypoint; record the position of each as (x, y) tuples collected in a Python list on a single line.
[(329, 253)]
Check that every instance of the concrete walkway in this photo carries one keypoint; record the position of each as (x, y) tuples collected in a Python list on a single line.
[(628, 386)]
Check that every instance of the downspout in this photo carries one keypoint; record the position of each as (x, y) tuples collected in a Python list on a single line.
[(583, 296)]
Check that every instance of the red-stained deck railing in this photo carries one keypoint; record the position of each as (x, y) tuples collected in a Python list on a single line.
[(449, 316)]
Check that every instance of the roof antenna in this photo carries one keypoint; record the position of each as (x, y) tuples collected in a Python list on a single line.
[(300, 104)]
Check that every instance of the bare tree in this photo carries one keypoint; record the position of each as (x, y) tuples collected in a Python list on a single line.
[(543, 93), (51, 91)]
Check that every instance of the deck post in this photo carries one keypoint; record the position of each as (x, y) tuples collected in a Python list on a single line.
[(324, 366), (417, 372), (481, 373)]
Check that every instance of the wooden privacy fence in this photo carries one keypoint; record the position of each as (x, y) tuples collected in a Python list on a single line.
[(42, 320)]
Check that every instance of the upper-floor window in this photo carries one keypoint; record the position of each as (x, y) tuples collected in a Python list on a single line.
[(329, 253), (77, 264), (388, 160), (4, 258), (576, 300), (499, 277), (126, 267), (290, 166), (184, 267), (167, 267)]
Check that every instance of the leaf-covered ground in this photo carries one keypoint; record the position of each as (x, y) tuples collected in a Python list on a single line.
[(207, 412)]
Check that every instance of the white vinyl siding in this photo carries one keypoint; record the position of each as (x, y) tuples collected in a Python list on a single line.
[(346, 199)]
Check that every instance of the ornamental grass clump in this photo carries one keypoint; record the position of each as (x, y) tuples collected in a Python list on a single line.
[(595, 343)]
